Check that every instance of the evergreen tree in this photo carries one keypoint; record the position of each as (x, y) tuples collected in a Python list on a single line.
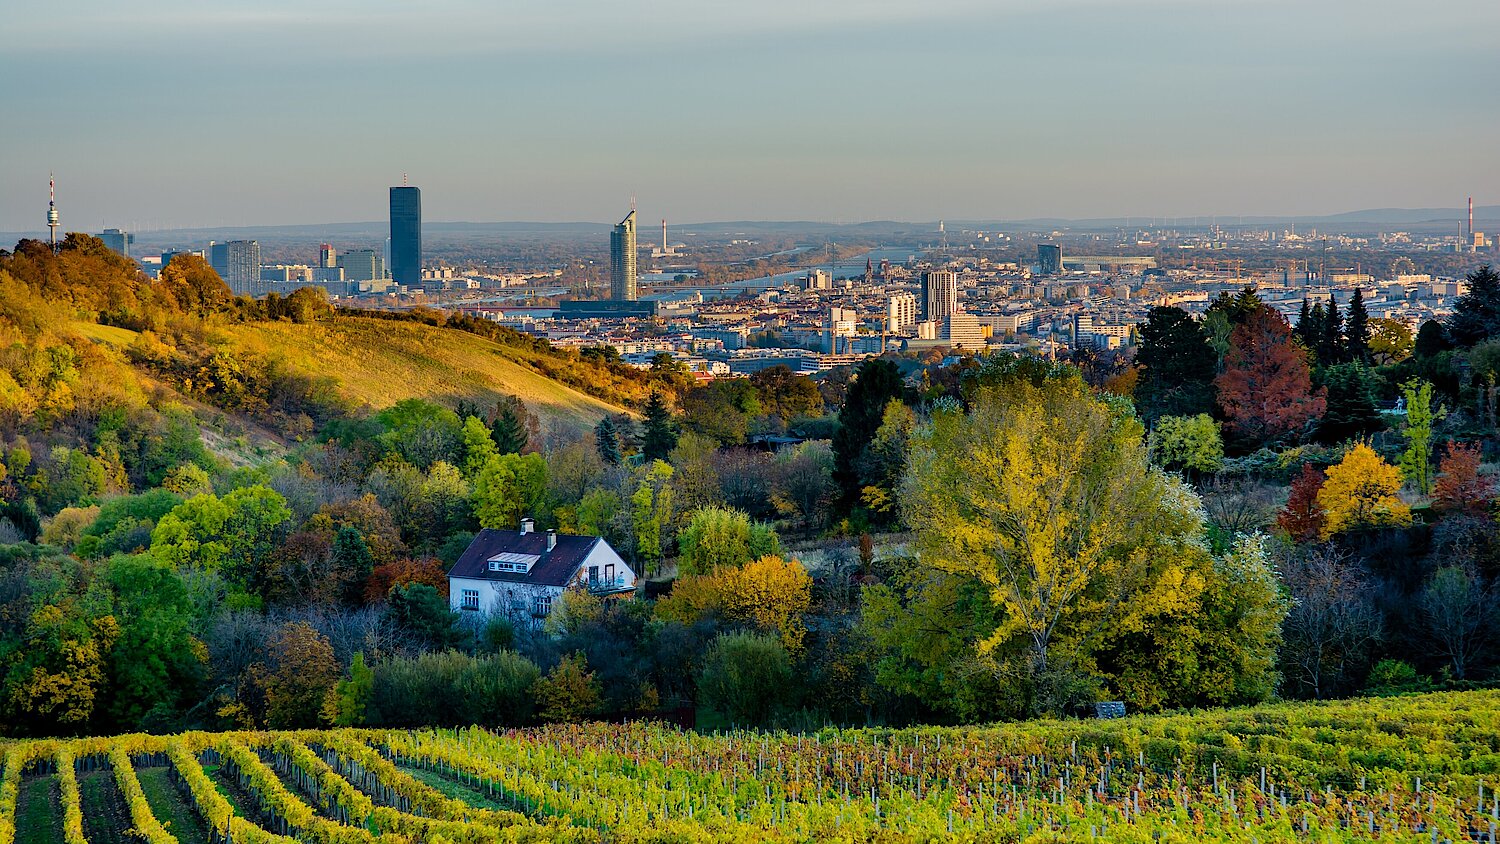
[(660, 436), (1331, 349), (1312, 339), (1476, 316), (1357, 329), (1303, 327), (1177, 366), (876, 383), (607, 441), (353, 561), (1432, 340), (1351, 412), (509, 431)]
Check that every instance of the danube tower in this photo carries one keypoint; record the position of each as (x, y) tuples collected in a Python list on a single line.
[(52, 218)]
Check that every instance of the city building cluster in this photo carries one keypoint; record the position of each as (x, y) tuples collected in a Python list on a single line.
[(971, 296)]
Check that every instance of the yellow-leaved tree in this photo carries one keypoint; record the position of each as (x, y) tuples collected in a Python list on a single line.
[(1361, 492), (1041, 495), (771, 593)]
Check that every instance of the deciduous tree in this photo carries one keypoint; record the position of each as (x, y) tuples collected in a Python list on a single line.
[(717, 537), (1460, 612), (569, 692), (509, 487), (1332, 624), (1303, 518), (1460, 487), (1266, 387), (747, 676), (771, 593), (1416, 460), (1044, 495), (1190, 443), (1361, 492), (302, 674)]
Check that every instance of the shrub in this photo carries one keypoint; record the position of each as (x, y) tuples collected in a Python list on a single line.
[(746, 676)]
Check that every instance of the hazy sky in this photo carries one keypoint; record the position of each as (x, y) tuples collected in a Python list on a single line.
[(187, 112)]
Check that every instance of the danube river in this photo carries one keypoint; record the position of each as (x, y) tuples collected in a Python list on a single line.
[(844, 268)]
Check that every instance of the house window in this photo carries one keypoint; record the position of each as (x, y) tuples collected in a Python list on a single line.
[(470, 600), (542, 605), (494, 566), (593, 575), (609, 574)]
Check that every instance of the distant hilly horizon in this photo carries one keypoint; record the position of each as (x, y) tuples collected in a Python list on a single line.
[(1486, 217)]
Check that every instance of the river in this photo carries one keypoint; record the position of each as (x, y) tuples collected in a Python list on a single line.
[(844, 268)]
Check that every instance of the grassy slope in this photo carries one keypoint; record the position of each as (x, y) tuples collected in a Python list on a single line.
[(379, 363)]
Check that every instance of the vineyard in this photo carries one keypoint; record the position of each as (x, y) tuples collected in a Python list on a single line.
[(1418, 769)]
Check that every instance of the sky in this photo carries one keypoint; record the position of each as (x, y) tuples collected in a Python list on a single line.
[(181, 113)]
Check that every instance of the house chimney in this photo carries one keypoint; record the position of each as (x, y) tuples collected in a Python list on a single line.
[(527, 526), (551, 539)]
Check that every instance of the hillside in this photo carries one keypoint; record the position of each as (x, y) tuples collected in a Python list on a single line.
[(1407, 768), (380, 362)]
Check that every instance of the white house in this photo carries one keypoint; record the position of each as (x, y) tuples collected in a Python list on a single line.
[(521, 574)]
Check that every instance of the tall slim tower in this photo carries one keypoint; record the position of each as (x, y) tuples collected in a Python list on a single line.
[(406, 235), (622, 258), (53, 220), (667, 250)]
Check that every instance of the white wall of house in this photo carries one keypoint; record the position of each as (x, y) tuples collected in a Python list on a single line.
[(520, 600)]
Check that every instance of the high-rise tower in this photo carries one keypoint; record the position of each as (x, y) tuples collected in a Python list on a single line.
[(939, 294), (622, 258), (52, 217), (406, 235)]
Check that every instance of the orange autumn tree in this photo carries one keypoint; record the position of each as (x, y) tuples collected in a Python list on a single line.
[(1266, 387), (1459, 486), (770, 593), (1361, 493), (1303, 518)]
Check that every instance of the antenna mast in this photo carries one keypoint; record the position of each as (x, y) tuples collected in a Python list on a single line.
[(52, 216)]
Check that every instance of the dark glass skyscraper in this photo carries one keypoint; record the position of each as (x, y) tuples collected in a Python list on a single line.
[(406, 235), (1049, 258), (622, 258)]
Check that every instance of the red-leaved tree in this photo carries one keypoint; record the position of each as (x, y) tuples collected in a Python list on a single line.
[(1266, 387), (1459, 485), (1303, 516)]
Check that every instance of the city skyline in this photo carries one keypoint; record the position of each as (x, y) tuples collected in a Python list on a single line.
[(893, 110)]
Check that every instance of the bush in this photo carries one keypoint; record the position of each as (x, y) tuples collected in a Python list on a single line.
[(453, 689), (746, 676), (1392, 676), (569, 692), (719, 536)]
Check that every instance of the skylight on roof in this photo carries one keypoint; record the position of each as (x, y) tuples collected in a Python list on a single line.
[(524, 559)]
